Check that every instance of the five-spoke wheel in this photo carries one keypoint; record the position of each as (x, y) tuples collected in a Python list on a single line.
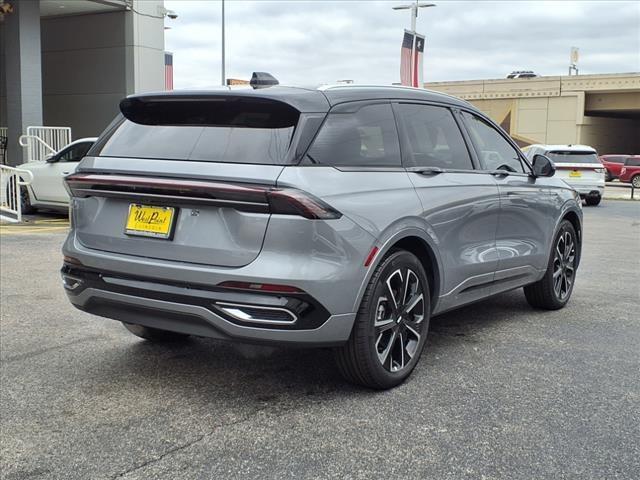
[(398, 319), (554, 289), (564, 265), (391, 326)]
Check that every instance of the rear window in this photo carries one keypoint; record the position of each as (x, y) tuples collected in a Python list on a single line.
[(573, 157), (207, 131)]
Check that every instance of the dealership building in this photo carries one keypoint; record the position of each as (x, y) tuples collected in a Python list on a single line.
[(67, 63), (598, 110)]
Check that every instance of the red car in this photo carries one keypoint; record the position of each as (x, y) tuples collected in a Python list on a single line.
[(613, 164), (630, 172)]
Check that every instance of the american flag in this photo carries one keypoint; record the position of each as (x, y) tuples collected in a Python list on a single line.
[(406, 70), (411, 68), (168, 71)]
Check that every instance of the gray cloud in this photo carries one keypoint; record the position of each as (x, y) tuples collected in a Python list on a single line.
[(311, 42)]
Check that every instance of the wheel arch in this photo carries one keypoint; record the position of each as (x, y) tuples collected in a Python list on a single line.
[(576, 221), (416, 241)]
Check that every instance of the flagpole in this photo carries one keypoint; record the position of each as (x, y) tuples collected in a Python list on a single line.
[(224, 82), (414, 15)]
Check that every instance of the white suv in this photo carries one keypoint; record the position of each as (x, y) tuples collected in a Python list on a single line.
[(577, 165)]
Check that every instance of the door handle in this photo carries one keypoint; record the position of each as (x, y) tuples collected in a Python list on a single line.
[(428, 170), (65, 173), (500, 173)]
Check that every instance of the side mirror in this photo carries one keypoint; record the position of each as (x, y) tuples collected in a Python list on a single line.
[(543, 166), (51, 158)]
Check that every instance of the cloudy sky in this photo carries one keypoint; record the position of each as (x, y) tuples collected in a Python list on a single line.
[(312, 42)]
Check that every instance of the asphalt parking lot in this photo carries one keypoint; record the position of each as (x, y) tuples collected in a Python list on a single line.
[(502, 391)]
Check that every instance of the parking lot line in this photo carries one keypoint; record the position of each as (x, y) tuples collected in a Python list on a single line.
[(19, 230)]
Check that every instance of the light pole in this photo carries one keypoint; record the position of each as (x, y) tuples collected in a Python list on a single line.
[(414, 11), (224, 82), (414, 15)]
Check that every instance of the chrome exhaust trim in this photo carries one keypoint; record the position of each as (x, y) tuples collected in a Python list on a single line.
[(258, 313)]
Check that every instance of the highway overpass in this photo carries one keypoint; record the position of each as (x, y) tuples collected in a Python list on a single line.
[(598, 110)]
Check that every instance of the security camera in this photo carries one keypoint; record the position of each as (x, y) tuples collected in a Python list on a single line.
[(165, 12)]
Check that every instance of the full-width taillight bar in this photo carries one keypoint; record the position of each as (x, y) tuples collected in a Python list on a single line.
[(246, 197)]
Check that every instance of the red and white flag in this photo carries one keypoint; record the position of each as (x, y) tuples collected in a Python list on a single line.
[(410, 63), (168, 71)]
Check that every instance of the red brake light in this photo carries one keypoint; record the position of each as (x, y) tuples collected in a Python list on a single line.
[(289, 201), (242, 196)]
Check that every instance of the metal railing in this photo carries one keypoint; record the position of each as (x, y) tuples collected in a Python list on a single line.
[(11, 181), (43, 141), (4, 141)]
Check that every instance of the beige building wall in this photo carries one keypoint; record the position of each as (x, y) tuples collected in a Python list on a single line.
[(560, 110)]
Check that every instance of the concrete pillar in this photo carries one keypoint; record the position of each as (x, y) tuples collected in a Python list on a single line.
[(23, 73), (144, 38)]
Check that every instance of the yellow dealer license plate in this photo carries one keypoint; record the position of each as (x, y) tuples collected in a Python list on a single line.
[(575, 174), (148, 221)]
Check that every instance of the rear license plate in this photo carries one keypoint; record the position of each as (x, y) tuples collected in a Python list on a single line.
[(150, 221), (575, 174)]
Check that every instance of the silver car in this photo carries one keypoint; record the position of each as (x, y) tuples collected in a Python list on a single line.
[(343, 217)]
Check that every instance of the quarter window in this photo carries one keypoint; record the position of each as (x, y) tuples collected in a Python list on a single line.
[(366, 138), (75, 153), (494, 151), (434, 138)]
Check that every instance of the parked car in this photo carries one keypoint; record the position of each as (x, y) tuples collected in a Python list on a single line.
[(578, 165), (522, 74), (630, 172), (344, 217), (47, 189), (612, 164)]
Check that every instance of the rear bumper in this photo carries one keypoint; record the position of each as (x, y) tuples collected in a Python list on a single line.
[(590, 192), (197, 310)]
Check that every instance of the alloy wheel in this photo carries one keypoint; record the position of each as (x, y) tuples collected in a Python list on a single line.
[(564, 265), (399, 319)]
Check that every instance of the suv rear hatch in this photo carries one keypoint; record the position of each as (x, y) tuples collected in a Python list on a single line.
[(577, 167), (188, 178)]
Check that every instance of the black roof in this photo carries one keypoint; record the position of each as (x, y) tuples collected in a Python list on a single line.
[(340, 94), (307, 99)]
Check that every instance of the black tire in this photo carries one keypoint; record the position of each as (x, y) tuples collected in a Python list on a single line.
[(635, 181), (399, 328), (25, 201), (154, 334), (593, 201), (607, 176), (545, 293)]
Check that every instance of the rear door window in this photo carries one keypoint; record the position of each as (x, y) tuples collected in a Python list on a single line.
[(632, 162), (494, 151), (434, 138), (366, 138)]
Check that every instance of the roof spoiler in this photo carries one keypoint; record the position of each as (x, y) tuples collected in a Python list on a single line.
[(221, 110)]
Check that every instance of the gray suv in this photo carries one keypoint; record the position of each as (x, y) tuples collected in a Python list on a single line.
[(343, 217)]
